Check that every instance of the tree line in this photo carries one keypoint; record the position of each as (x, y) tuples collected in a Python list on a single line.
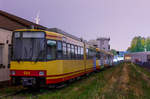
[(139, 44)]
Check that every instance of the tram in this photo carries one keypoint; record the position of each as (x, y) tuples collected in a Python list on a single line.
[(42, 57)]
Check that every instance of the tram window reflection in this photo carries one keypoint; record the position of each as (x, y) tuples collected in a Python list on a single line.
[(64, 51), (59, 50), (59, 46), (72, 52), (68, 51), (51, 49)]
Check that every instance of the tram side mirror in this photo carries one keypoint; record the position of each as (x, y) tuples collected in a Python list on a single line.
[(51, 43)]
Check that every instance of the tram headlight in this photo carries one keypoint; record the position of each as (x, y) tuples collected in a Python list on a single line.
[(41, 73), (13, 72)]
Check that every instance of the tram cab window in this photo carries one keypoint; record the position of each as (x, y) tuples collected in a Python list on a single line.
[(28, 46), (51, 49)]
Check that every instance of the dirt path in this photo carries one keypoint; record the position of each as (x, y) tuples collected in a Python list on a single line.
[(110, 86), (123, 80), (113, 79), (122, 84)]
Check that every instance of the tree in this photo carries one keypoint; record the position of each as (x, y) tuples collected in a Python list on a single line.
[(137, 44), (147, 42), (113, 51)]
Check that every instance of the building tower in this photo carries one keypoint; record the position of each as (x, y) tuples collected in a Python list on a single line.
[(103, 43)]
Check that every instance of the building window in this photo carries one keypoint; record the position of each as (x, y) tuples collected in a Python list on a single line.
[(1, 55), (109, 47), (102, 42)]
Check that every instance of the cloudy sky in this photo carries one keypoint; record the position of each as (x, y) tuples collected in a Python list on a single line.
[(120, 20)]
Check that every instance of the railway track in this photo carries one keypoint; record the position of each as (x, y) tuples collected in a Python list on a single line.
[(12, 94), (34, 91)]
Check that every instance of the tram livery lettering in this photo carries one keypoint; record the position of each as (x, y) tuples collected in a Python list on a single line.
[(26, 73)]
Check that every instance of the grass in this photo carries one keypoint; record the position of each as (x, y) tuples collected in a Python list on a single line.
[(143, 78), (89, 88), (10, 90), (125, 81)]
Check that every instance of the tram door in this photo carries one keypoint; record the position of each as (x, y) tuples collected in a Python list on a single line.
[(94, 59)]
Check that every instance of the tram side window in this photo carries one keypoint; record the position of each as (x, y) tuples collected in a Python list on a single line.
[(79, 52), (76, 52), (68, 51), (102, 55), (51, 50), (98, 55), (72, 51), (82, 52), (59, 50), (59, 46), (64, 50), (87, 53), (92, 54)]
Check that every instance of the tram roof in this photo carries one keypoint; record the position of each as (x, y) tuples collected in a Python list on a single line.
[(56, 30), (64, 33)]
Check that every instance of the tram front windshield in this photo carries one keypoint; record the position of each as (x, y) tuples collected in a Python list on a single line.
[(29, 46)]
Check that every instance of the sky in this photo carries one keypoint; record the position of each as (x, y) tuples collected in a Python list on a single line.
[(121, 20)]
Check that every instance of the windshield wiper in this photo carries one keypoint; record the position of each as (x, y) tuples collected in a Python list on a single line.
[(19, 59), (38, 56)]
